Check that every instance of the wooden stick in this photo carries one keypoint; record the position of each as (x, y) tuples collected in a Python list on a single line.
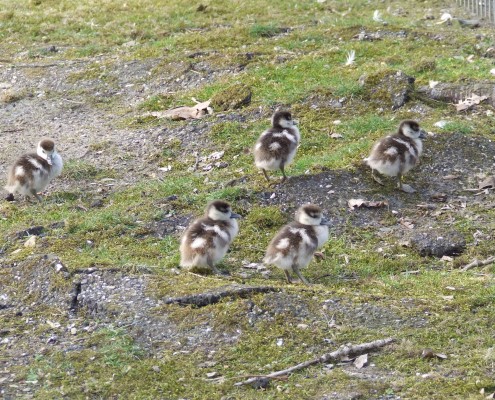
[(477, 263), (336, 355)]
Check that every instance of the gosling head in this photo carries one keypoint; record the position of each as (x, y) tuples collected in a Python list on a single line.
[(220, 210), (283, 120), (46, 150), (411, 129), (310, 214)]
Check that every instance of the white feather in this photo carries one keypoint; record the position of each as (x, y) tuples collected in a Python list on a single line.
[(445, 17), (377, 16), (351, 56)]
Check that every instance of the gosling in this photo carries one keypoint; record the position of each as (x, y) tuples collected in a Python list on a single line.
[(395, 155), (207, 239), (295, 244), (277, 146), (32, 173)]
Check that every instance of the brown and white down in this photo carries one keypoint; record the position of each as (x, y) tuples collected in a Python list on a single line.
[(396, 154), (295, 244), (207, 239), (32, 173), (277, 146)]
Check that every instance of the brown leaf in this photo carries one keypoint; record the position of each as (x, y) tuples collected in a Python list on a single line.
[(361, 361), (407, 223), (195, 112), (469, 102), (487, 183), (451, 177)]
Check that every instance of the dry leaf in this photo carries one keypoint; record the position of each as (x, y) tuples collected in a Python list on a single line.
[(319, 256), (487, 183), (441, 356), (449, 298), (361, 361), (407, 223), (195, 112), (451, 177), (217, 155), (469, 102), (356, 203)]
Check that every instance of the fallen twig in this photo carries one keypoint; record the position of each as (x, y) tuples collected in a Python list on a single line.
[(477, 263), (196, 163), (336, 355), (205, 299)]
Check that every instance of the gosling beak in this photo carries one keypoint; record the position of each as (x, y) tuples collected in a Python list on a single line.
[(422, 134), (49, 160), (295, 122), (325, 221), (234, 215)]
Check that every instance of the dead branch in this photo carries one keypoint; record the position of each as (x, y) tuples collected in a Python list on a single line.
[(344, 351), (477, 263), (205, 299), (196, 162)]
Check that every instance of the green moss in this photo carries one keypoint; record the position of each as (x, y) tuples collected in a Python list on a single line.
[(233, 97), (265, 30)]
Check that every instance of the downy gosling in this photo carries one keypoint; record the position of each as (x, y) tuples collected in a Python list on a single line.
[(207, 239), (277, 146), (295, 244), (395, 155), (32, 173)]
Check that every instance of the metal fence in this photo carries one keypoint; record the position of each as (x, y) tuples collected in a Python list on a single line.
[(482, 8)]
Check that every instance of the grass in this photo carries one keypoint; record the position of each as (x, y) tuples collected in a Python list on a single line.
[(369, 285)]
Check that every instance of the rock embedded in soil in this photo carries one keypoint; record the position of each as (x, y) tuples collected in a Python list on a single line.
[(389, 88), (439, 244)]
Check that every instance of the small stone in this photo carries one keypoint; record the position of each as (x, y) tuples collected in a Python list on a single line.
[(97, 203), (31, 242), (73, 331), (261, 383), (302, 326), (155, 368), (211, 375), (60, 267)]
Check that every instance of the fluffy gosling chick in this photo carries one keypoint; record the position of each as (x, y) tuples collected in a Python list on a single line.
[(395, 155), (32, 173), (295, 244), (207, 239), (276, 147)]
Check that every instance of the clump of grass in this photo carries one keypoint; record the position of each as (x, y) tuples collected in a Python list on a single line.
[(11, 96), (266, 31), (6, 15), (79, 170)]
